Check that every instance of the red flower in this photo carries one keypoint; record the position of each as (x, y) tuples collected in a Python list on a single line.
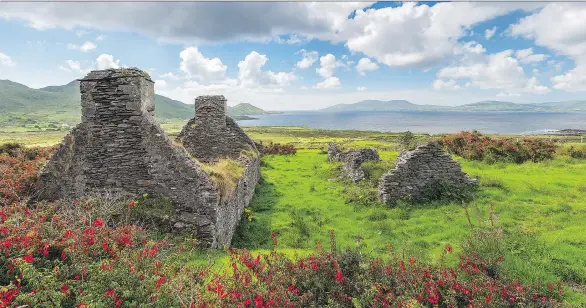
[(98, 222), (247, 302), (161, 281), (488, 298), (274, 237), (118, 302), (339, 277), (110, 292), (64, 289), (28, 258), (132, 203), (258, 302)]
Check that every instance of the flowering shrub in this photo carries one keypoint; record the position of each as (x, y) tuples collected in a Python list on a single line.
[(277, 149), (475, 146), (18, 170)]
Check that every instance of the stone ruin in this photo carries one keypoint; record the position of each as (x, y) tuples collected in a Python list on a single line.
[(119, 147), (415, 170), (209, 137), (352, 160)]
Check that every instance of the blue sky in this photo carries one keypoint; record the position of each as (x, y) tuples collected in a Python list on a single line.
[(286, 56)]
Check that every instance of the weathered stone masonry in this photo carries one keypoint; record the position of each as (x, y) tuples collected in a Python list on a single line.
[(118, 146), (352, 160), (211, 136), (415, 170)]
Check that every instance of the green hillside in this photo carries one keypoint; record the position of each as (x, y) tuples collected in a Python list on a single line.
[(58, 107)]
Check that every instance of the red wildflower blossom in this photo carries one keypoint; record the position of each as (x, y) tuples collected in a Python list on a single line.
[(64, 289), (98, 222), (28, 258)]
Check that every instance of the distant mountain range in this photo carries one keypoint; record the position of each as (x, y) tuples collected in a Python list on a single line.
[(403, 105), (21, 105)]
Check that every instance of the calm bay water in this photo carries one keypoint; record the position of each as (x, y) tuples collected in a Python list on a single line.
[(427, 122)]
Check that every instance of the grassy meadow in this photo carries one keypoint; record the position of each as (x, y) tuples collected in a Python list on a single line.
[(539, 209)]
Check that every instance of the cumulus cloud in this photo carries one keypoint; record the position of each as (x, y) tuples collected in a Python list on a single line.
[(195, 64), (105, 61), (559, 26), (329, 83), (327, 65), (307, 59), (499, 71), (170, 76), (526, 56), (364, 65), (5, 60), (160, 85), (85, 47), (71, 65), (489, 33), (361, 89), (250, 73), (439, 84), (433, 30)]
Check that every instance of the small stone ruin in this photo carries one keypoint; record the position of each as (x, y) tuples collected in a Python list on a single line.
[(119, 147), (352, 160), (415, 170)]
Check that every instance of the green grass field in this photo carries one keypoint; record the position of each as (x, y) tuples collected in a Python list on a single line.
[(540, 207)]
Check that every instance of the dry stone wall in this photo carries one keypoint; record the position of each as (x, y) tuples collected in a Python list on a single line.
[(415, 170), (119, 147)]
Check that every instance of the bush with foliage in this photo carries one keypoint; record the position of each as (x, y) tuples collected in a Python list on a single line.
[(475, 146), (18, 170), (277, 149), (578, 152)]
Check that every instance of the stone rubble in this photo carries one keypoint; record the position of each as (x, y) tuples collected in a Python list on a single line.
[(352, 160)]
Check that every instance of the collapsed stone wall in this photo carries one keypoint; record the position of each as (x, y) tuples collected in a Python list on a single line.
[(211, 136), (119, 147), (415, 170), (352, 160)]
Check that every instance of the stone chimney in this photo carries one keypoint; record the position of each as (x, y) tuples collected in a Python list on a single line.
[(116, 95), (210, 110)]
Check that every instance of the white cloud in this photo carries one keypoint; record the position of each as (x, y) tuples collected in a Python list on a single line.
[(364, 65), (439, 84), (489, 33), (307, 60), (361, 89), (170, 75), (105, 61), (329, 83), (195, 64), (573, 80), (559, 26), (526, 56), (160, 85), (71, 65), (6, 60), (292, 40), (100, 38), (327, 65), (250, 73), (418, 35), (85, 47), (81, 33), (499, 71)]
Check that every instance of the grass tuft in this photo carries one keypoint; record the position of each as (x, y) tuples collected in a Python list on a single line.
[(225, 174)]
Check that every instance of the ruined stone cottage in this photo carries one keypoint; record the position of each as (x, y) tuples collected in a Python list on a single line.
[(118, 146), (416, 170)]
